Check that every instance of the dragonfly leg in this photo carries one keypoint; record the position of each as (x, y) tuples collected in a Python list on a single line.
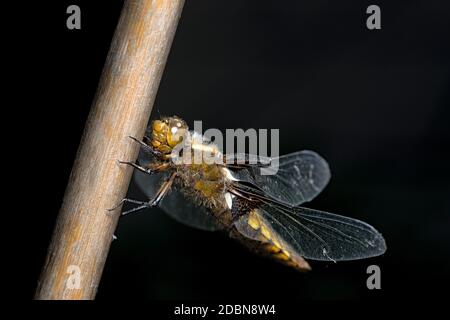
[(163, 190), (147, 147), (147, 170), (141, 203)]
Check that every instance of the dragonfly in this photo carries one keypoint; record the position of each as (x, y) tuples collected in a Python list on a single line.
[(257, 207)]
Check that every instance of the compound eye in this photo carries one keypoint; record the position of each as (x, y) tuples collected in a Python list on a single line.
[(158, 126), (175, 136)]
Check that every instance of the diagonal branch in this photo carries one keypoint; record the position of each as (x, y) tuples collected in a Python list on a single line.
[(122, 107)]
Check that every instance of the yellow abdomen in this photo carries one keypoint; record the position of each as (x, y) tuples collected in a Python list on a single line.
[(270, 244)]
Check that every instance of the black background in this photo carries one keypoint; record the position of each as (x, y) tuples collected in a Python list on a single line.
[(375, 104)]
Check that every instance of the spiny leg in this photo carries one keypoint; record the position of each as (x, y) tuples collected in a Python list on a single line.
[(162, 191), (146, 146), (150, 171), (142, 143), (142, 204)]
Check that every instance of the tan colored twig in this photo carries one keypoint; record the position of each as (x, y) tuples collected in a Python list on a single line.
[(122, 107)]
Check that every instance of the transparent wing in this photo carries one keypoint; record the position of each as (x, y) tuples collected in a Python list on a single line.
[(320, 235), (175, 203), (299, 178), (314, 234)]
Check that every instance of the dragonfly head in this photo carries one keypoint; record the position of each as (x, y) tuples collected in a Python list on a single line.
[(167, 132)]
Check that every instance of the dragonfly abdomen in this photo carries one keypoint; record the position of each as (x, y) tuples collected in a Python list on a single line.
[(255, 232)]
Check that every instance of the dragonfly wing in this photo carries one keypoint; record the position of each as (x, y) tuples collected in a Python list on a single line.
[(298, 178), (309, 233), (183, 210), (319, 235)]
